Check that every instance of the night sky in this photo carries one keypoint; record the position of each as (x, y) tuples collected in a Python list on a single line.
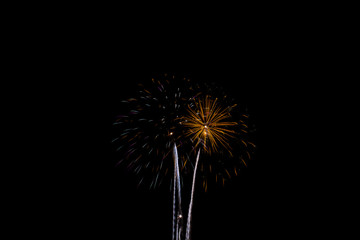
[(270, 197)]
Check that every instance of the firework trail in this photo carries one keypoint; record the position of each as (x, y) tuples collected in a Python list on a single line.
[(174, 201), (188, 224), (176, 180)]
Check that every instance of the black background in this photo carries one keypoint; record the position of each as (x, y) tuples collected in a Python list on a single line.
[(272, 68)]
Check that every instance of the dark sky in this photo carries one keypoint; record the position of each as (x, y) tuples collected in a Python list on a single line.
[(268, 70)]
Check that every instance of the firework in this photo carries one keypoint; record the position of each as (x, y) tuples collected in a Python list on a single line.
[(218, 126), (151, 129), (206, 125), (171, 114), (210, 128), (170, 110), (146, 134)]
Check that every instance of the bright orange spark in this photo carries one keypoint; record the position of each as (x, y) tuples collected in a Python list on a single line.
[(207, 124)]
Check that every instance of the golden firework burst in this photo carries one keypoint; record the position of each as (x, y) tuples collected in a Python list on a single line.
[(207, 124)]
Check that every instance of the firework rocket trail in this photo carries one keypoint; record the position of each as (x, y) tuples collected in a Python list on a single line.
[(174, 201), (179, 219), (191, 200), (176, 185)]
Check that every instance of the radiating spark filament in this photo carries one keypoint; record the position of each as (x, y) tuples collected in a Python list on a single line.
[(206, 124)]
